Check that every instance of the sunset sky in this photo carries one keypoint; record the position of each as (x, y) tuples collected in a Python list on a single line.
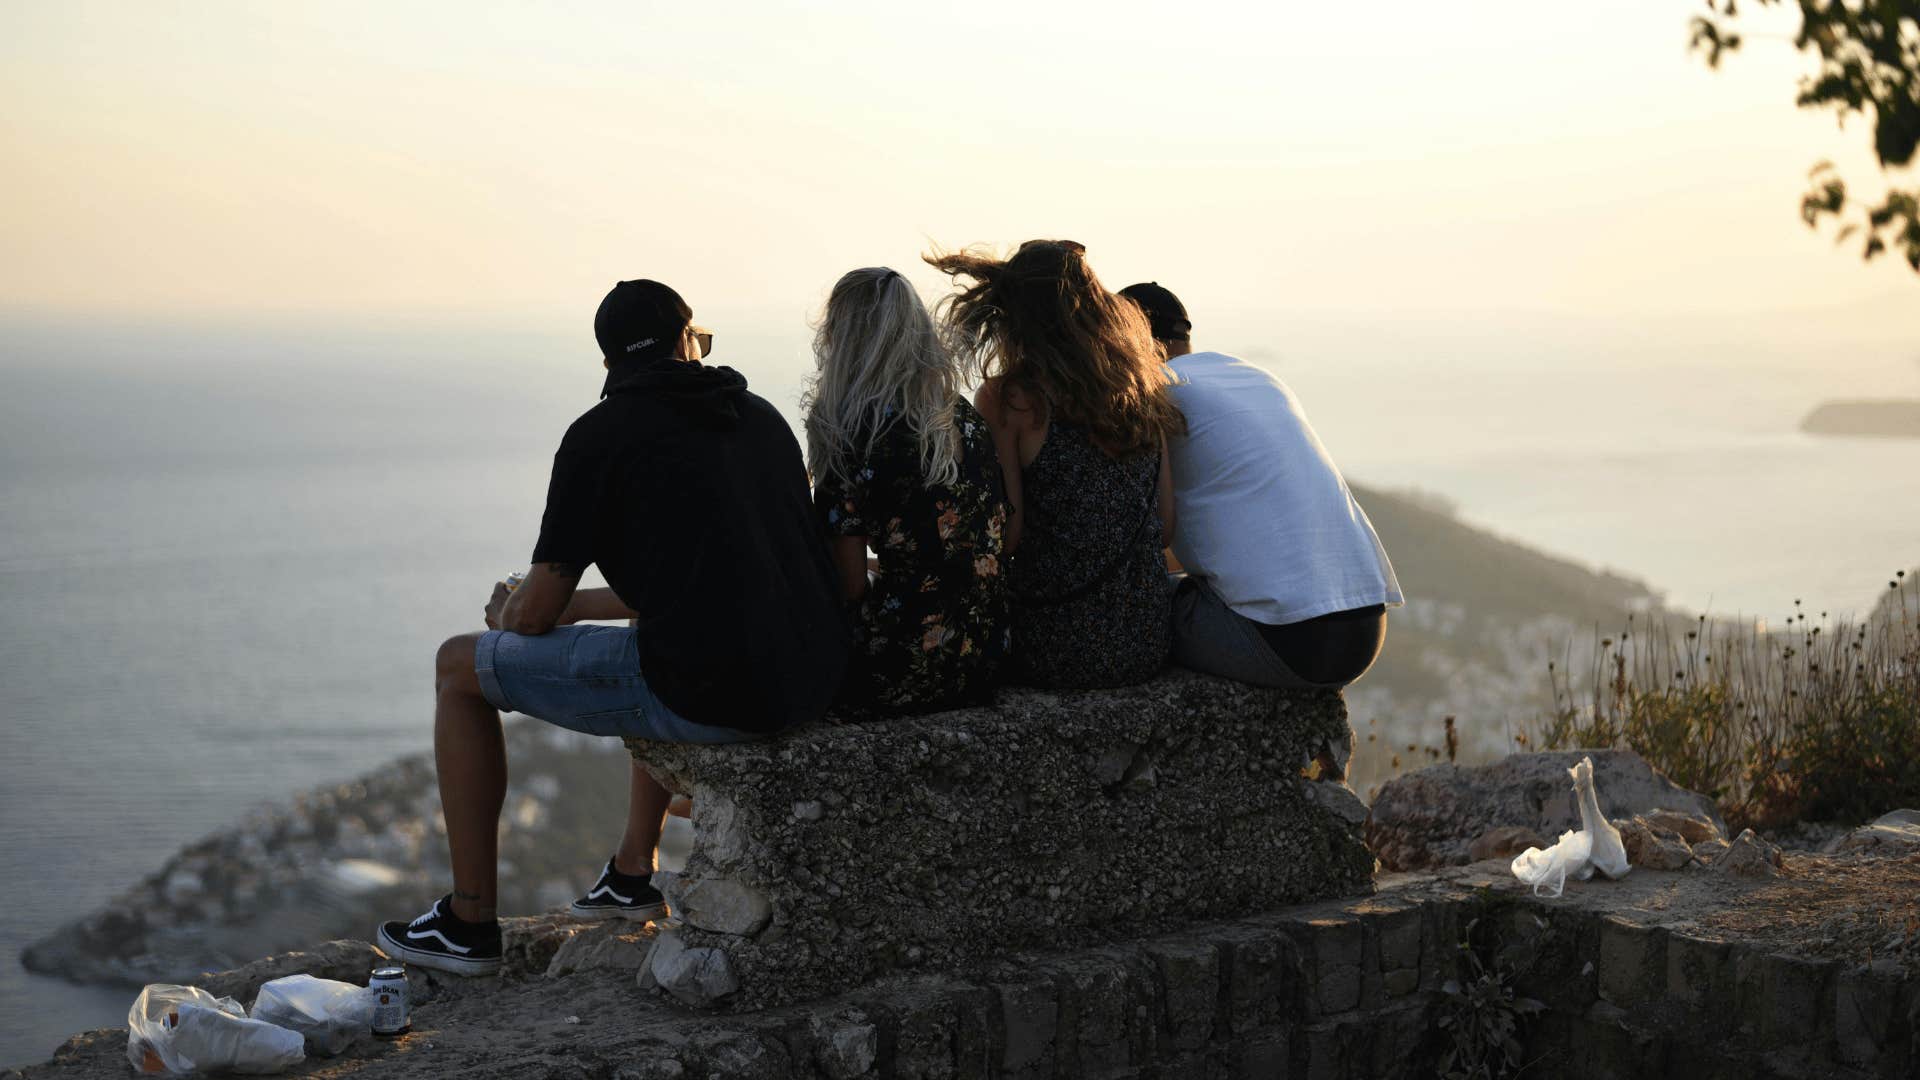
[(1380, 160)]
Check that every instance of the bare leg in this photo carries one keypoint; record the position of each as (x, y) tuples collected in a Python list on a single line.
[(471, 757), (646, 810)]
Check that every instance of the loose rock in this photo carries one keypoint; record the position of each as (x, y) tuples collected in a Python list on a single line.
[(1895, 833), (1504, 843), (1653, 846), (1749, 856), (1431, 817)]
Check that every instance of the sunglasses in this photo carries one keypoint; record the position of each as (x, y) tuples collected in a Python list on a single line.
[(704, 337)]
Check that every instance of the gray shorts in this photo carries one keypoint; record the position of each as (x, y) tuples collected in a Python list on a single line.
[(586, 678), (1209, 636)]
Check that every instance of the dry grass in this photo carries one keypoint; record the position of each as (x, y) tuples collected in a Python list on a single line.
[(1819, 721)]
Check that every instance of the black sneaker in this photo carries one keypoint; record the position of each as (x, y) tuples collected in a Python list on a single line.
[(442, 941), (621, 896)]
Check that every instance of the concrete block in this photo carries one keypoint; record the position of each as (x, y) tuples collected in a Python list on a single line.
[(924, 1040), (1863, 1011), (1627, 962), (1029, 1021), (1398, 933), (1799, 1003), (1262, 1056), (1333, 948), (1263, 975), (1401, 982), (1699, 974), (1190, 978), (1097, 1000)]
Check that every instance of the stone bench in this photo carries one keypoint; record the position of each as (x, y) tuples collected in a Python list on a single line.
[(841, 853)]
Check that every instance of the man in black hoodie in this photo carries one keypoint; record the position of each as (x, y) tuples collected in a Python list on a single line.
[(690, 494)]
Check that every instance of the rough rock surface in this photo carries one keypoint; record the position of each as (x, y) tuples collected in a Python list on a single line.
[(1652, 845), (938, 842), (1898, 831), (1749, 856), (1432, 817), (1659, 974), (1710, 849)]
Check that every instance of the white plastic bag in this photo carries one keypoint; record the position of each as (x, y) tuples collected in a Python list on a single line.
[(329, 1013), (1547, 869), (184, 1029)]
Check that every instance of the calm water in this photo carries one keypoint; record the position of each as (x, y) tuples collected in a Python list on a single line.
[(229, 554)]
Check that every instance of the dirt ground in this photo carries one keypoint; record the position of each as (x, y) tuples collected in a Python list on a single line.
[(1852, 908), (1855, 908)]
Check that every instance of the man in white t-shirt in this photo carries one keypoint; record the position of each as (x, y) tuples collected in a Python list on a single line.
[(1286, 583)]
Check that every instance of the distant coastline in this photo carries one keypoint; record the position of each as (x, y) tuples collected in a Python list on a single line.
[(1887, 419)]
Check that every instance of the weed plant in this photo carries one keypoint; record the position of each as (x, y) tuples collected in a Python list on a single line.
[(1483, 1016), (1816, 721)]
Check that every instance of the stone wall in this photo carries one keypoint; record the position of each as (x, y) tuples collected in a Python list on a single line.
[(842, 853), (1644, 977)]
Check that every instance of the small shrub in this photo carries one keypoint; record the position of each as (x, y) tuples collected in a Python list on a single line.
[(1483, 1018), (1816, 721)]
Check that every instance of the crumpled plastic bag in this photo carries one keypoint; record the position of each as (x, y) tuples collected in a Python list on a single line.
[(329, 1013), (184, 1029), (1609, 853), (1547, 869), (1595, 846)]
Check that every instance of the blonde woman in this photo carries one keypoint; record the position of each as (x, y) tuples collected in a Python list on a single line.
[(904, 467)]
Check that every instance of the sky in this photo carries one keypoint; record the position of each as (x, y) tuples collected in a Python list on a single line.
[(1382, 161)]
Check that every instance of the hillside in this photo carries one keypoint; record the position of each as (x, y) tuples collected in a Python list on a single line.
[(1484, 614), (1877, 419)]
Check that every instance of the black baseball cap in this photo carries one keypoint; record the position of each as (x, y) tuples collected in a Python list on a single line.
[(640, 320), (1164, 310)]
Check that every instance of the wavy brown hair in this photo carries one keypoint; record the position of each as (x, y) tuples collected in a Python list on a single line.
[(1041, 322)]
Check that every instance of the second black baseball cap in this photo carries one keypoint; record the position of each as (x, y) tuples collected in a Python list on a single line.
[(640, 320), (1164, 310)]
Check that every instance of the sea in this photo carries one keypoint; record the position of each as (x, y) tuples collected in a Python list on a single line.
[(228, 550)]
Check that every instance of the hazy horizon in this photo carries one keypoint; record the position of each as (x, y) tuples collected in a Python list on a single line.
[(363, 162)]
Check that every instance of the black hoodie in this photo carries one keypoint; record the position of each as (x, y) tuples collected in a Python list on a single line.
[(690, 494)]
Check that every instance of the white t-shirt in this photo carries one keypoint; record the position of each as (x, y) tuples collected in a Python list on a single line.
[(1262, 509)]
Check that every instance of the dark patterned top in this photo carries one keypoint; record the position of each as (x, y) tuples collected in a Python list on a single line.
[(932, 629), (1092, 603)]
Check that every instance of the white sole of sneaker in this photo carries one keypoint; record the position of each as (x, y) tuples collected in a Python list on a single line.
[(649, 913), (438, 961)]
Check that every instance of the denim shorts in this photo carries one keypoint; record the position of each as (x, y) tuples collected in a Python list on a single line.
[(586, 678)]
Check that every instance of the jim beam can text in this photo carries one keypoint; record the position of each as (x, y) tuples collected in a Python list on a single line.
[(388, 987)]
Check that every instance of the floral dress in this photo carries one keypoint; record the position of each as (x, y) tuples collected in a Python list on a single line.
[(932, 630)]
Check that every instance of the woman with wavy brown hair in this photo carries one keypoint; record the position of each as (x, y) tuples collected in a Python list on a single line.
[(1072, 386)]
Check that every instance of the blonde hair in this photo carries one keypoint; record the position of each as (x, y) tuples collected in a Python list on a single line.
[(880, 362)]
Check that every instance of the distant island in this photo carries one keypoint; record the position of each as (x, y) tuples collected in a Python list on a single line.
[(1895, 419)]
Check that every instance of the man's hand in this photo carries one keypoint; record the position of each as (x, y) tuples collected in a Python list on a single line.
[(497, 603), (536, 606)]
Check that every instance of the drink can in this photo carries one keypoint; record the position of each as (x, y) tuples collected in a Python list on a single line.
[(515, 580), (388, 988)]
